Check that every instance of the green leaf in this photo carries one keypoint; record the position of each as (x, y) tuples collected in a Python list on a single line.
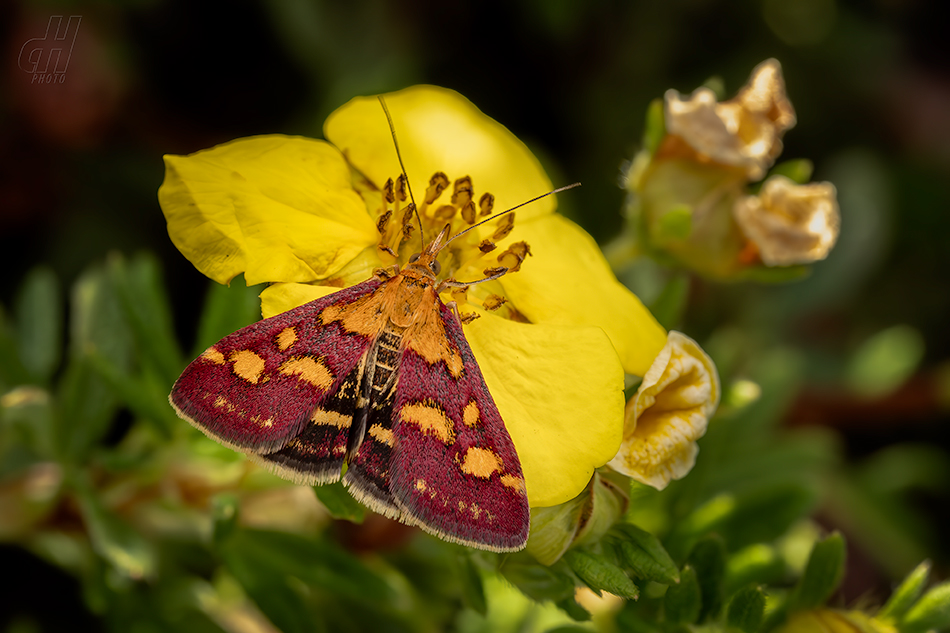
[(683, 602), (643, 552), (140, 396), (127, 551), (746, 609), (758, 515), (799, 170), (473, 590), (600, 574), (275, 597), (224, 516), (142, 294), (655, 128), (12, 371), (822, 574), (39, 323), (708, 559), (906, 593), (539, 582), (885, 361), (227, 309), (757, 563), (669, 306), (774, 274), (340, 503), (932, 612), (674, 225), (313, 561), (576, 611)]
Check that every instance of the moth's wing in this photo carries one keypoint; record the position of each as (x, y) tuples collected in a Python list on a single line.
[(454, 470), (367, 473), (316, 454), (259, 388)]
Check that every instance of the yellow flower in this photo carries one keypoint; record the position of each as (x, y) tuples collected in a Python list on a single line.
[(743, 132), (790, 223), (834, 621), (669, 412), (554, 338)]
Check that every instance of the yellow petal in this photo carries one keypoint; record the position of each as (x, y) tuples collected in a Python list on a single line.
[(669, 412), (834, 621), (559, 390), (790, 223), (567, 281), (278, 298), (276, 208), (439, 130)]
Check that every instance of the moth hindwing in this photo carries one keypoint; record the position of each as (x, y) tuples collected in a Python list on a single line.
[(378, 377)]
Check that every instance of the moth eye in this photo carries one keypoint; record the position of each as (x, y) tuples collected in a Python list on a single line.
[(435, 266), (414, 257)]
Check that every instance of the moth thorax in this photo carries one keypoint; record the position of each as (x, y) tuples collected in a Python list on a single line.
[(414, 289)]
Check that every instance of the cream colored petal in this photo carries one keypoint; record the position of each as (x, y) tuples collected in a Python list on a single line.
[(559, 390), (743, 132), (669, 412), (567, 281), (764, 94), (439, 130), (790, 223), (276, 208)]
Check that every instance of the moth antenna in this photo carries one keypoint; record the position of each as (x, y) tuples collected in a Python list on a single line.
[(517, 206), (392, 130)]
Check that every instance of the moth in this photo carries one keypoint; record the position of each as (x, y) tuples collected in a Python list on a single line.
[(377, 386)]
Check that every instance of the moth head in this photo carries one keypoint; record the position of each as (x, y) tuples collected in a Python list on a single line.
[(430, 263)]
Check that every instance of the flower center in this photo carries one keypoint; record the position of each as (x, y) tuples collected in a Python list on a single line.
[(471, 257)]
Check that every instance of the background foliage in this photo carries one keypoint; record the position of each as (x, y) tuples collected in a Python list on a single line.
[(107, 500)]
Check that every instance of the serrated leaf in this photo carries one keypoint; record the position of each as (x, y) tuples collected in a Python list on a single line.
[(822, 575), (340, 503), (683, 602), (932, 612), (643, 552), (746, 609), (600, 574), (539, 582), (39, 322), (906, 594), (708, 559)]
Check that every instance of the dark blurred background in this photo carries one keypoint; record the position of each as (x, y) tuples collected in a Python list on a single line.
[(81, 160)]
